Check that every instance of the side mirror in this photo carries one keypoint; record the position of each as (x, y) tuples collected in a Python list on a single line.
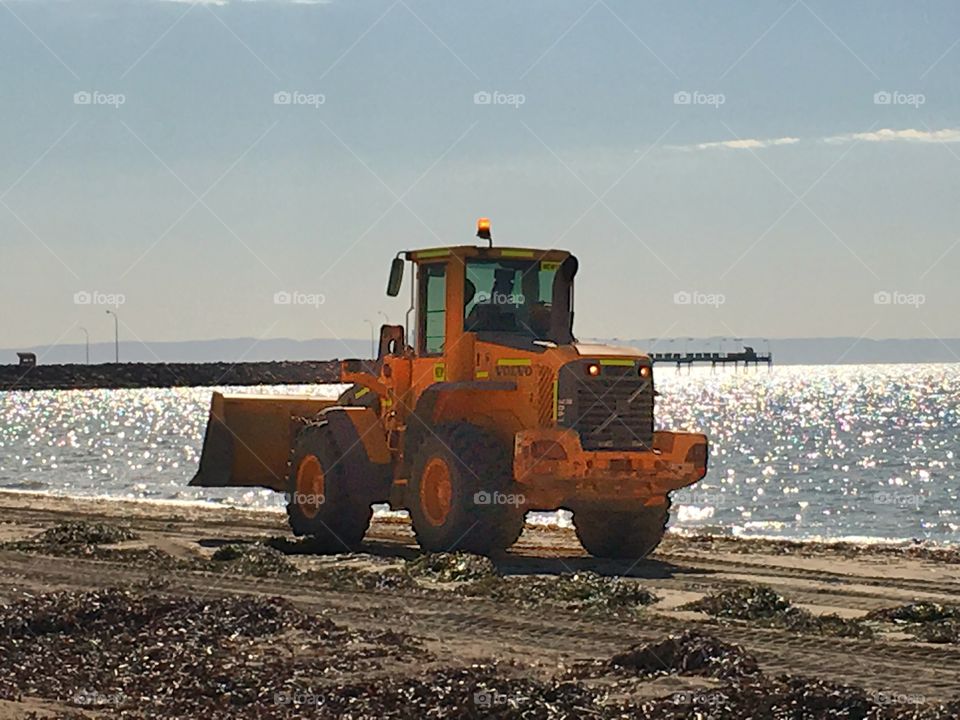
[(396, 277), (569, 267)]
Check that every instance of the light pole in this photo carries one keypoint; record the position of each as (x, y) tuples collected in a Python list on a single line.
[(116, 336), (87, 336), (373, 351)]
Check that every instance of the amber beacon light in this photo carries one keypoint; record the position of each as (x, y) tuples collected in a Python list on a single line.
[(483, 230)]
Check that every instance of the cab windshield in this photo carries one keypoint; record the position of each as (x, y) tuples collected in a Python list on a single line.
[(508, 296)]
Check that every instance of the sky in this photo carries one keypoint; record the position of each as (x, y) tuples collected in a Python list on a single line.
[(248, 168)]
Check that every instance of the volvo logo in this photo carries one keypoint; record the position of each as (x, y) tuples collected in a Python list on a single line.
[(514, 370)]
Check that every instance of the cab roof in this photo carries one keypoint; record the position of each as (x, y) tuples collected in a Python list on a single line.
[(494, 253)]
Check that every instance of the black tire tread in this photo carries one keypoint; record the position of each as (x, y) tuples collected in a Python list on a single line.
[(485, 466), (343, 519), (621, 535)]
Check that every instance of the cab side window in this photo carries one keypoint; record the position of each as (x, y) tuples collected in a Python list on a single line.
[(433, 293)]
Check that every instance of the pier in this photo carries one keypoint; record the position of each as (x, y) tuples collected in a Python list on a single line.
[(747, 357)]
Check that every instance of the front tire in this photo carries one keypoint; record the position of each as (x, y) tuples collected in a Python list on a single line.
[(621, 535), (461, 494), (321, 502)]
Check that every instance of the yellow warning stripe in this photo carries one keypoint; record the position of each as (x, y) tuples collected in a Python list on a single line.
[(514, 362), (618, 362), (482, 374), (556, 399), (516, 253), (361, 392), (426, 254)]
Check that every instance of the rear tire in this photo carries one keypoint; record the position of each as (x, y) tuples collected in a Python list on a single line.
[(320, 501), (621, 535), (461, 494)]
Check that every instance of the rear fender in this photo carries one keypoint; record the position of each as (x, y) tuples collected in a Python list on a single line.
[(555, 471), (689, 448), (487, 404)]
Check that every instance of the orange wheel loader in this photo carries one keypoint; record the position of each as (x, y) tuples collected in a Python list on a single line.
[(482, 407)]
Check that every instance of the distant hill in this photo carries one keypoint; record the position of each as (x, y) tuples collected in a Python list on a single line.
[(786, 351)]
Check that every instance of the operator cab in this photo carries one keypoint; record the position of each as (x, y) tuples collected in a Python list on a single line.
[(509, 296), (518, 297)]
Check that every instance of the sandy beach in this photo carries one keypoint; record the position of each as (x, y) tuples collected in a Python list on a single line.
[(416, 628)]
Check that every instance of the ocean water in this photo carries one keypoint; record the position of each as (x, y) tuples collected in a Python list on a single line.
[(834, 452)]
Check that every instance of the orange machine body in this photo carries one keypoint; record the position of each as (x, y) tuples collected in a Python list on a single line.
[(515, 394)]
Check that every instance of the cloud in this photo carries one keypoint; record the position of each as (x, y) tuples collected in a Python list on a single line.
[(742, 144), (908, 135), (222, 3)]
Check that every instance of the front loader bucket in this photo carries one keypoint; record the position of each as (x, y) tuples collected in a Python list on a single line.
[(249, 439)]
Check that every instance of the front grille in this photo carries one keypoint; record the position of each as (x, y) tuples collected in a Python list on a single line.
[(613, 411)]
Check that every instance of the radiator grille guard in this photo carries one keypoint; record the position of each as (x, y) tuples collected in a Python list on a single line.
[(612, 411)]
